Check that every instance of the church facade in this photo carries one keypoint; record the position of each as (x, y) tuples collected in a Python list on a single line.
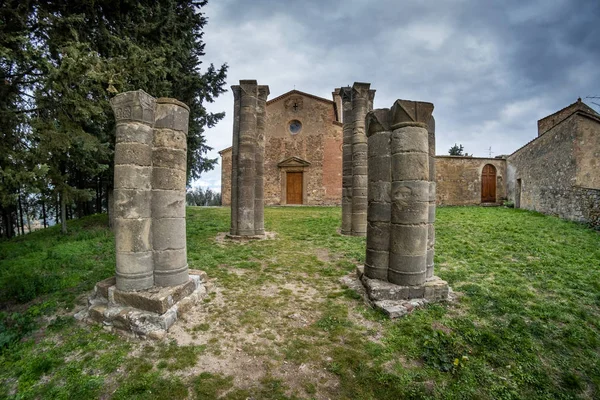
[(558, 173), (303, 152)]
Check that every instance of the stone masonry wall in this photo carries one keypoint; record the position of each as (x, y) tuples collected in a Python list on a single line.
[(549, 172), (226, 177), (459, 179)]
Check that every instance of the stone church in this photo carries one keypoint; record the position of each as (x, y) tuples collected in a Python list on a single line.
[(557, 173)]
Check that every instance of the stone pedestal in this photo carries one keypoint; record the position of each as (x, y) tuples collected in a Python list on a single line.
[(356, 101), (248, 147), (148, 313), (401, 205)]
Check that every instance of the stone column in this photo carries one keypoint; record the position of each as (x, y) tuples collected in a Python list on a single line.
[(361, 97), (432, 198), (247, 187), (235, 146), (346, 96), (259, 199), (134, 113), (169, 165), (410, 192), (379, 194)]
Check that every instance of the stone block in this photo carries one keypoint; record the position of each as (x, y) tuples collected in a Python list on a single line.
[(168, 204), (170, 139), (378, 236), (96, 313), (410, 212), (156, 300), (134, 263), (168, 179), (431, 213), (405, 192), (376, 271), (410, 167), (133, 154), (131, 282), (379, 168), (132, 235), (378, 260), (134, 105), (103, 285), (132, 177), (392, 309), (170, 259), (132, 203), (430, 236), (171, 277), (410, 139), (172, 114), (169, 158), (408, 240), (203, 277), (379, 212), (168, 234), (134, 133), (381, 290), (379, 145)]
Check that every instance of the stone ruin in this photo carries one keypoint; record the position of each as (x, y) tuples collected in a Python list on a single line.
[(153, 285), (356, 103), (398, 271), (248, 153)]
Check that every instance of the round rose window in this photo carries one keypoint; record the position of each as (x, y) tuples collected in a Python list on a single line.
[(295, 127)]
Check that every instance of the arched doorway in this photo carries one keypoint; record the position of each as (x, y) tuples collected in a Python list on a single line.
[(488, 184)]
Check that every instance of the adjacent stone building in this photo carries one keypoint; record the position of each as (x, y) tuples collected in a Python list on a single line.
[(558, 173)]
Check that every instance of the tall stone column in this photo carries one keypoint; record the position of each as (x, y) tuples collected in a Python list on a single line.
[(134, 113), (432, 198), (235, 151), (361, 98), (247, 197), (346, 96), (169, 165), (259, 199), (410, 192), (379, 195)]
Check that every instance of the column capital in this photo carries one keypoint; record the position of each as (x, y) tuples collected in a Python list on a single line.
[(410, 113), (135, 105), (378, 121), (362, 90), (263, 92)]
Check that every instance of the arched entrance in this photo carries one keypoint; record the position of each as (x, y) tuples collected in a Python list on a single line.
[(488, 184)]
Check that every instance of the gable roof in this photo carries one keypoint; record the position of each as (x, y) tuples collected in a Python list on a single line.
[(577, 107), (291, 92)]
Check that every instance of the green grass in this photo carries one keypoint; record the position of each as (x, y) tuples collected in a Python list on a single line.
[(279, 325)]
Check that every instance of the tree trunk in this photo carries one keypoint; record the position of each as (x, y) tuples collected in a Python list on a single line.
[(63, 213), (21, 215), (44, 213)]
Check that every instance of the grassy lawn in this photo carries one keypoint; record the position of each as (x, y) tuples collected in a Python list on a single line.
[(277, 323)]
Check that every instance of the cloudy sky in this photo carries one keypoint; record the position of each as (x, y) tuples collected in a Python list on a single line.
[(492, 68)]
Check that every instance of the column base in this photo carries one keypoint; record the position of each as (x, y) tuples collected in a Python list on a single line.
[(223, 237), (145, 313), (395, 300)]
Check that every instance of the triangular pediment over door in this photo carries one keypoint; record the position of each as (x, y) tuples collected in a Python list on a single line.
[(293, 162)]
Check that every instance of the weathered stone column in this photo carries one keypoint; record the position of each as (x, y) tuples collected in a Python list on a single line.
[(379, 194), (259, 161), (235, 149), (247, 186), (134, 112), (169, 165), (432, 198), (346, 95), (410, 192), (361, 98)]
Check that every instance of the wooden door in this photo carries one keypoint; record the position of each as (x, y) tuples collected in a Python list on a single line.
[(294, 188), (488, 184)]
